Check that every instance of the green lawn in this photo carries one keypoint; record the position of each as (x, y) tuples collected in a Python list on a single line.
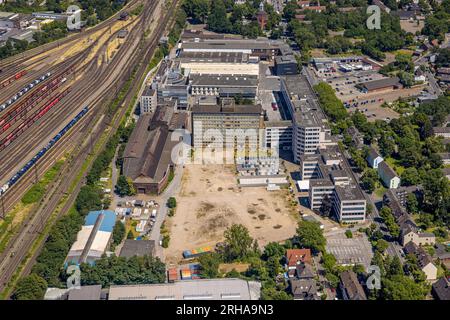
[(380, 191), (394, 164), (37, 191)]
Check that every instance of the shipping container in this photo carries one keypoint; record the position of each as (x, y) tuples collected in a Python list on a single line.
[(186, 274)]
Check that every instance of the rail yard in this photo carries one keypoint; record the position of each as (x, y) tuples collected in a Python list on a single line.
[(54, 102)]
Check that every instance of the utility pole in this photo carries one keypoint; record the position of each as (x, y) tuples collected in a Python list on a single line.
[(3, 209), (91, 147), (36, 173)]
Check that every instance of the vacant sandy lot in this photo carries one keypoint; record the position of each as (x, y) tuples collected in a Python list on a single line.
[(210, 201)]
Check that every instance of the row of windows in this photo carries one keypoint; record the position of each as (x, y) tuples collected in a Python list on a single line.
[(354, 209)]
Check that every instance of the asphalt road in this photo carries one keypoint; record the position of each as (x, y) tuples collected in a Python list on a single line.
[(171, 190)]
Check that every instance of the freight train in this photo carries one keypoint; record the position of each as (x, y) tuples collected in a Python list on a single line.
[(15, 77), (23, 91), (42, 152)]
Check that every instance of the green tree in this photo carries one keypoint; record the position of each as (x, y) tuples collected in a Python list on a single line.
[(172, 202), (89, 198), (369, 180), (218, 20), (410, 177), (274, 294), (328, 261), (273, 249), (412, 205), (257, 270), (387, 145), (399, 287), (389, 220), (32, 287), (437, 195), (238, 242), (210, 265), (118, 233), (382, 245), (309, 235), (119, 270), (273, 266)]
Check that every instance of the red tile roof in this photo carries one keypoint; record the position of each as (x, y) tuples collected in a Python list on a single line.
[(294, 256)]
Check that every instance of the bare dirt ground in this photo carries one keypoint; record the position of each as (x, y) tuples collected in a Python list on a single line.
[(412, 26), (210, 201)]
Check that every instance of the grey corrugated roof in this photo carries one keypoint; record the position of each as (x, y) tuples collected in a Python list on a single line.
[(137, 248), (86, 293)]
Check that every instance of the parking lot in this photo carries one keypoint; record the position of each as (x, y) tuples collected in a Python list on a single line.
[(370, 104), (356, 250), (345, 85)]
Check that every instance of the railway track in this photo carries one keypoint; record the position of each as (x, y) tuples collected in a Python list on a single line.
[(24, 242), (53, 200), (41, 130), (27, 55)]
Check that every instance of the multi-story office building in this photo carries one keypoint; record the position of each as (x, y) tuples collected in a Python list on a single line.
[(149, 100), (244, 86), (278, 134), (318, 190), (227, 124), (310, 129), (330, 178), (349, 204)]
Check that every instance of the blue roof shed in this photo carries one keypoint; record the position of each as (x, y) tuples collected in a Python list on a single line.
[(109, 220)]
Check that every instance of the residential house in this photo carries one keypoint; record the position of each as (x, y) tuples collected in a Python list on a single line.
[(424, 260), (441, 289), (419, 75), (302, 271), (442, 132), (445, 157), (350, 287), (374, 158), (294, 257), (411, 234), (304, 289), (442, 254), (388, 176)]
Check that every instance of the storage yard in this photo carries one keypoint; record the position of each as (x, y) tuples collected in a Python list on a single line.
[(209, 203)]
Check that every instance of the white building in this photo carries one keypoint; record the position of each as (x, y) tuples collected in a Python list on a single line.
[(389, 177), (374, 158), (149, 100), (310, 129)]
